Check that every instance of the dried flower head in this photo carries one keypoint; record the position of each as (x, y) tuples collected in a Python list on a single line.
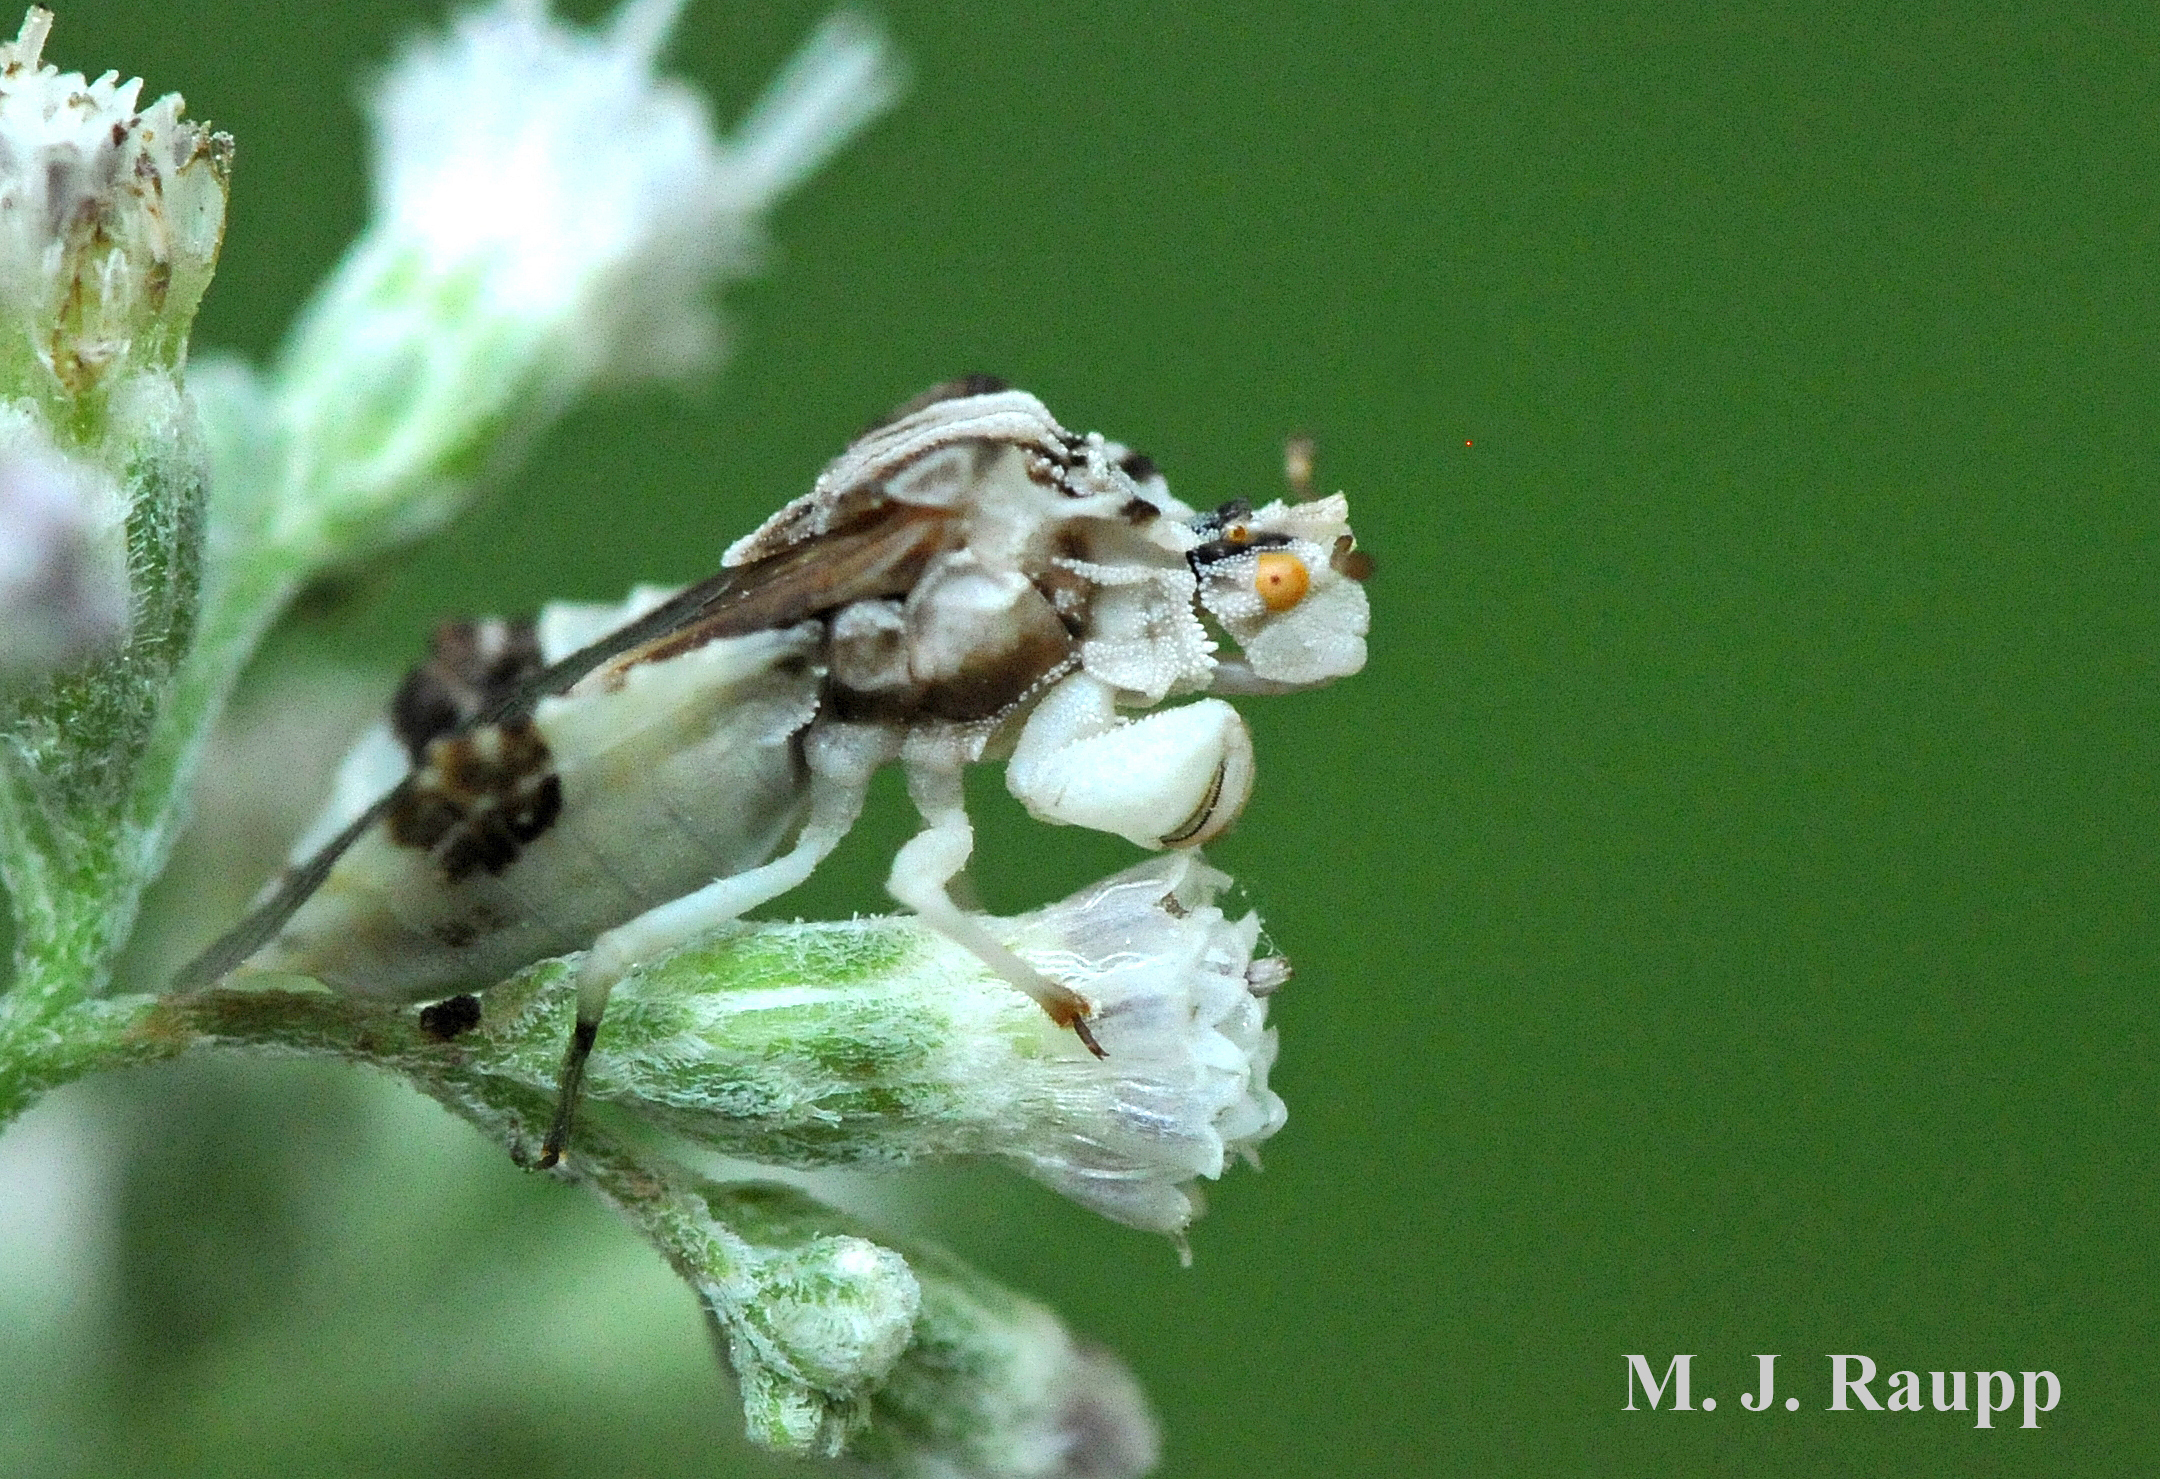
[(110, 218)]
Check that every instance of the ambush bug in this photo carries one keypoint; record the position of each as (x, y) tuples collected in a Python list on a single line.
[(968, 580)]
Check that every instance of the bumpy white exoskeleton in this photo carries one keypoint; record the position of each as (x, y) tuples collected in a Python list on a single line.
[(968, 581)]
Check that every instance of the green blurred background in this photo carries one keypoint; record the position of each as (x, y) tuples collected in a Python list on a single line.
[(1724, 909)]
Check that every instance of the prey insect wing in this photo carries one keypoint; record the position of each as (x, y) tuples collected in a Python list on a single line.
[(292, 888), (884, 555)]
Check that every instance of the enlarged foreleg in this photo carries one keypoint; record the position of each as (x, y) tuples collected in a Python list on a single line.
[(1174, 778)]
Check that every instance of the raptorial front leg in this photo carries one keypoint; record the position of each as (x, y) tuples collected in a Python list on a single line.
[(925, 867), (1175, 778), (841, 761)]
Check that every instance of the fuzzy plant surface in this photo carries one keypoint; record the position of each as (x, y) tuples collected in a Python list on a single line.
[(156, 518)]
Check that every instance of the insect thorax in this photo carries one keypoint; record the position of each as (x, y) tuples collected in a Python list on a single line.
[(968, 644)]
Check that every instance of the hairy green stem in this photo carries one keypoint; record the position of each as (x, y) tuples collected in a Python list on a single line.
[(81, 834), (837, 1342)]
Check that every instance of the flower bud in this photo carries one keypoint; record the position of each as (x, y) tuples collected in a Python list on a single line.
[(811, 1331), (983, 1383)]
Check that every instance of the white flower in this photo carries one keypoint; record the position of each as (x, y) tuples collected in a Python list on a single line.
[(110, 218), (63, 554), (592, 190), (1181, 1013), (549, 213), (880, 1041)]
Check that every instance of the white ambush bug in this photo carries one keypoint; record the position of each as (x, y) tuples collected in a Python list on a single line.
[(968, 580)]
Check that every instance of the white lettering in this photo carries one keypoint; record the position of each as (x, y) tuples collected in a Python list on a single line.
[(1676, 1373), (1840, 1384), (1957, 1404), (2054, 1389), (1767, 1366), (1983, 1382)]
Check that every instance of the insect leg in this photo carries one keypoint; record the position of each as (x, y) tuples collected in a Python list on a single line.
[(841, 759), (1175, 778), (928, 863)]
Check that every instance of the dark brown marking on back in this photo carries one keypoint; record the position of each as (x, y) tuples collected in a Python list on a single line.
[(993, 686), (958, 388), (965, 647), (976, 642), (1138, 466), (444, 1020), (1138, 511), (470, 666), (478, 798)]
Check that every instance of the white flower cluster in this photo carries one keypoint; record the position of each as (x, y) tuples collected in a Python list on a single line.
[(879, 1041), (1181, 1013), (550, 214), (589, 188), (110, 218)]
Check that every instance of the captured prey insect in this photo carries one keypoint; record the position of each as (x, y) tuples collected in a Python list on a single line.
[(968, 580)]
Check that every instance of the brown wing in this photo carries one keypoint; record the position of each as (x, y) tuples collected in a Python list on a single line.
[(881, 555)]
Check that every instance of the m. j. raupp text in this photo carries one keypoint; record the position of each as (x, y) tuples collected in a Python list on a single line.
[(1853, 1388)]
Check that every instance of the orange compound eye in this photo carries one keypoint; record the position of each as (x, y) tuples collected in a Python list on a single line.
[(1281, 579)]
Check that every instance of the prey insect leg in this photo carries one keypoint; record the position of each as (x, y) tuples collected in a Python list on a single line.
[(932, 858), (841, 759)]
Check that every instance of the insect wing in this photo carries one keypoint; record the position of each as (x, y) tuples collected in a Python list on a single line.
[(883, 555)]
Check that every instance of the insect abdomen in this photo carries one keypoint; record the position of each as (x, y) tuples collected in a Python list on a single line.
[(525, 839)]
